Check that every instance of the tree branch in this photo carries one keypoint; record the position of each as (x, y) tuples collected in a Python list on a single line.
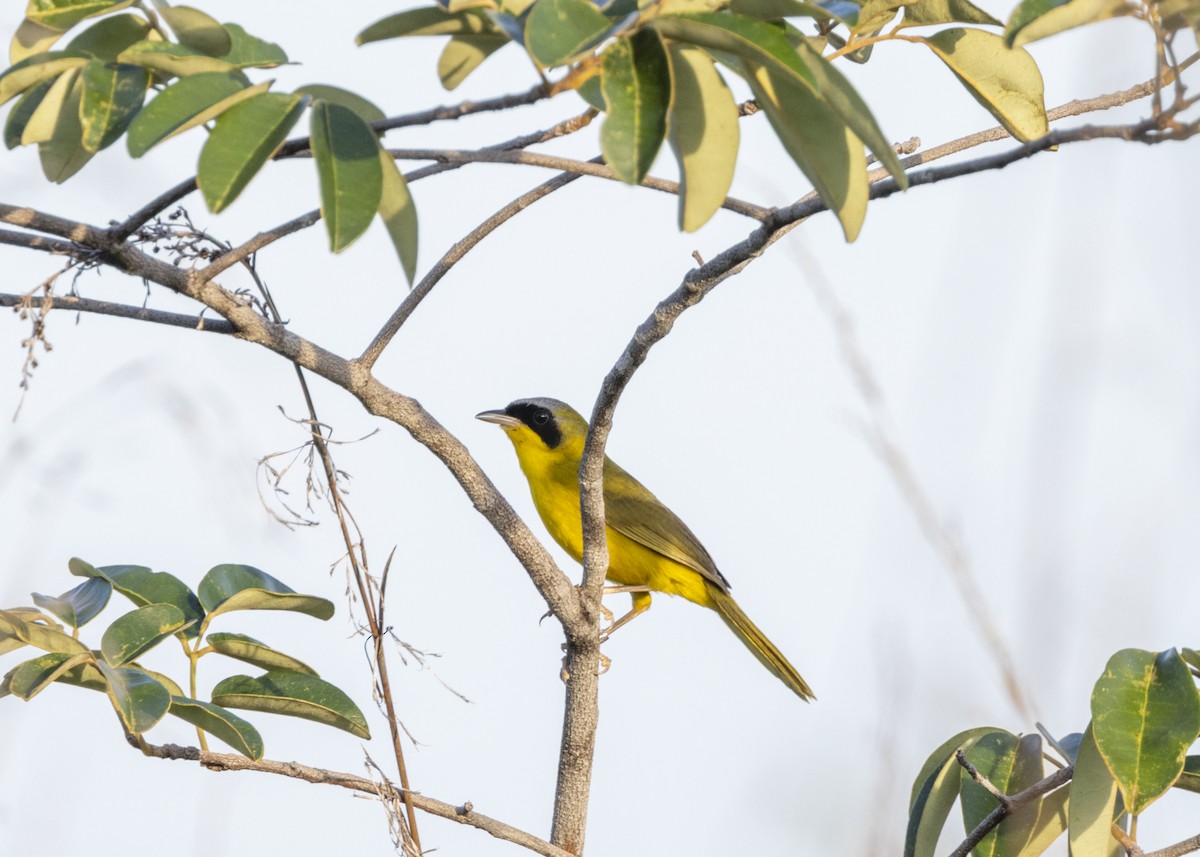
[(1042, 787), (151, 209), (157, 316), (436, 114), (554, 162), (450, 258), (464, 814), (40, 242)]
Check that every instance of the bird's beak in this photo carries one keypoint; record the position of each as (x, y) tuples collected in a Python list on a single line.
[(499, 418)]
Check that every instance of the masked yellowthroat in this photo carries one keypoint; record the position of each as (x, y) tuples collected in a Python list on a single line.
[(647, 543)]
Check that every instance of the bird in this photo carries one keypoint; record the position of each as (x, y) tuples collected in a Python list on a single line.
[(649, 548)]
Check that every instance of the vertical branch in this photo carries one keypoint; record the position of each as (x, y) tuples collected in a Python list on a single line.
[(374, 613), (582, 714)]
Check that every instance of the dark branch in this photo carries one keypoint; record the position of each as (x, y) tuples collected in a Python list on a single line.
[(436, 114), (172, 319), (41, 242), (151, 209)]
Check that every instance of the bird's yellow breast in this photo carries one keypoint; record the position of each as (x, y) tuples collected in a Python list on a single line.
[(553, 476)]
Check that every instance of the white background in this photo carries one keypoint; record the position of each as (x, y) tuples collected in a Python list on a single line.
[(1033, 333)]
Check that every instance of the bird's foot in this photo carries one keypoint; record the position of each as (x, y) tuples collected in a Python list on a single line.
[(603, 664)]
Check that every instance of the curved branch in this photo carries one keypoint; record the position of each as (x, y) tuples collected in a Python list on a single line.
[(464, 814), (392, 326), (553, 162)]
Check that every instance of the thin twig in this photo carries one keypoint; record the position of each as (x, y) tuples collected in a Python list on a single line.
[(450, 258), (593, 167), (435, 114), (152, 209), (464, 814), (139, 313), (359, 570), (244, 251), (1042, 787), (1004, 800)]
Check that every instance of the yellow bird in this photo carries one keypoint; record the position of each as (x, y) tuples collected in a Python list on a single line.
[(648, 546)]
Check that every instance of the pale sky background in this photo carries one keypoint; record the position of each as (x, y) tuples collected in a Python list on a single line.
[(1033, 332)]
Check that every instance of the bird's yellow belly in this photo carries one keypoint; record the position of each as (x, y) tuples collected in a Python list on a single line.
[(629, 562)]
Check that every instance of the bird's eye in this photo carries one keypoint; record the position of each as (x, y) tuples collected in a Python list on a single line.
[(541, 417)]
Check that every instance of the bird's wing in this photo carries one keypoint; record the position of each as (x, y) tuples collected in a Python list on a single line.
[(631, 510)]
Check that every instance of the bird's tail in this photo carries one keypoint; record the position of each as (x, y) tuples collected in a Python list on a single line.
[(758, 643)]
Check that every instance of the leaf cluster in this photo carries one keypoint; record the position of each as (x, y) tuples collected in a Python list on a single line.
[(150, 76), (166, 607), (658, 70), (1145, 717)]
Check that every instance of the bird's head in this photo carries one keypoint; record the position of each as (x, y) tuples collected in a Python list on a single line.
[(547, 424)]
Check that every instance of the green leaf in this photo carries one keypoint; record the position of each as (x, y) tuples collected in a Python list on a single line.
[(463, 54), (22, 112), (18, 78), (14, 634), (703, 132), (243, 140), (1191, 657), (30, 39), (399, 214), (1189, 780), (1050, 823), (243, 587), (1006, 81), (637, 89), (112, 95), (252, 52), (186, 103), (347, 158), (934, 792), (556, 31), (106, 39), (427, 21), (1012, 765), (842, 11), (215, 720), (139, 631), (761, 43), (64, 14), (44, 637), (172, 60), (876, 14), (253, 651), (46, 116), (366, 109), (947, 12), (1145, 715), (295, 695), (80, 605), (197, 31), (30, 678), (1093, 803), (827, 151), (836, 91), (1032, 20), (139, 699), (143, 586)]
